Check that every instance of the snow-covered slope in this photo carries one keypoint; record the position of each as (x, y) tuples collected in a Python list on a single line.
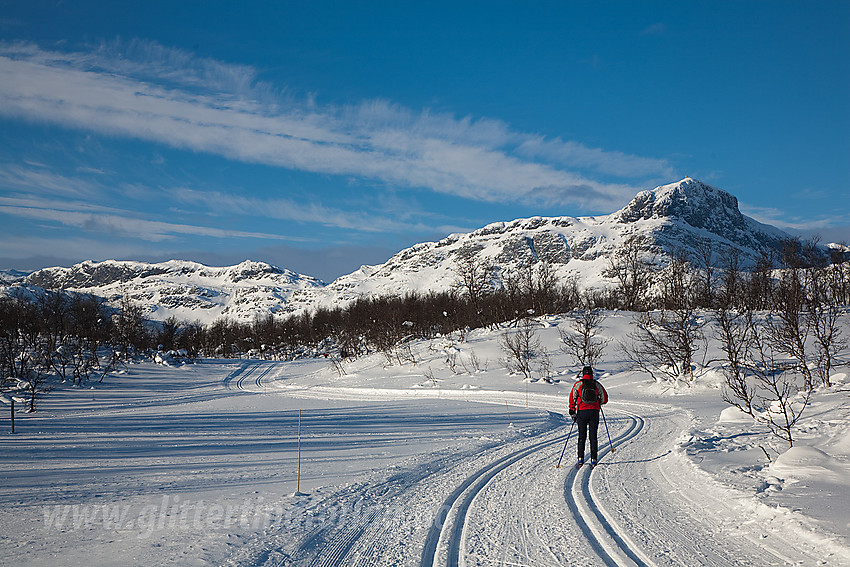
[(11, 276), (670, 217), (186, 290), (425, 463)]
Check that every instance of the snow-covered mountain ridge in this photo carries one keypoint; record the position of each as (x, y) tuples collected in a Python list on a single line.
[(187, 290), (671, 217)]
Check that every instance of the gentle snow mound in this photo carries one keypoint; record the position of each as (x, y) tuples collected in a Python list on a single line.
[(811, 463), (733, 414)]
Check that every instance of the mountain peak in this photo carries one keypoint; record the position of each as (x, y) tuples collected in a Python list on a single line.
[(694, 202)]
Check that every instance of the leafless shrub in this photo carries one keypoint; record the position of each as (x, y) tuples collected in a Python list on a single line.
[(830, 342), (733, 331), (544, 366), (581, 339), (452, 360), (474, 276), (472, 363), (824, 318), (632, 269), (789, 325), (429, 374), (338, 365), (705, 254), (767, 389), (520, 347), (664, 343)]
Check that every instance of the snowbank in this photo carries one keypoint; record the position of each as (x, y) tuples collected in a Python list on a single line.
[(734, 415), (812, 464)]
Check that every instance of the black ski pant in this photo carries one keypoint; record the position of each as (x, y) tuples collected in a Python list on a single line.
[(588, 419)]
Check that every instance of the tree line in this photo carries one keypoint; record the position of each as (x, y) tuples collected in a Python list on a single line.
[(78, 338)]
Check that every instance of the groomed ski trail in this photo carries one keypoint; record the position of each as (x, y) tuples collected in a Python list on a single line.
[(609, 542), (448, 527), (678, 515), (539, 528), (644, 505)]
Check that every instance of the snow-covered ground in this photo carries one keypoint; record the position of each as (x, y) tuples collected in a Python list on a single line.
[(448, 461)]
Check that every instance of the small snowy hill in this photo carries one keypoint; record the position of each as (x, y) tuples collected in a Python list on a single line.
[(11, 276), (670, 217), (186, 290)]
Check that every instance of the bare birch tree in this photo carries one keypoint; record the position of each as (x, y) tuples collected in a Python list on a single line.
[(520, 347), (581, 339)]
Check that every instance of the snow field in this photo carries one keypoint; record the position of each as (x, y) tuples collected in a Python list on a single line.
[(448, 461), (163, 465)]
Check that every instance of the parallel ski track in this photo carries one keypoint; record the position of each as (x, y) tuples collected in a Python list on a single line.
[(340, 546), (258, 379), (240, 382), (577, 485), (248, 372), (462, 497), (265, 372), (237, 374)]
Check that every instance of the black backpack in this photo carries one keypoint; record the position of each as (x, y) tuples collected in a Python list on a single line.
[(588, 391)]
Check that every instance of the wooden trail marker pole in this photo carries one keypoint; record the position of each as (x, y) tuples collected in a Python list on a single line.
[(510, 423), (11, 399), (298, 484)]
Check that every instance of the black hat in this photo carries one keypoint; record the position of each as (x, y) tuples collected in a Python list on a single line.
[(587, 371)]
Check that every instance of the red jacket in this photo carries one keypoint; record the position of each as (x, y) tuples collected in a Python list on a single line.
[(575, 397)]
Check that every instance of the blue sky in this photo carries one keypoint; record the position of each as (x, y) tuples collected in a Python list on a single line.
[(319, 136)]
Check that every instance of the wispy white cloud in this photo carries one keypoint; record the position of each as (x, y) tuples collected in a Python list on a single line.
[(574, 154), (40, 179), (145, 91), (783, 220), (101, 219), (16, 247), (37, 192), (292, 210), (98, 171)]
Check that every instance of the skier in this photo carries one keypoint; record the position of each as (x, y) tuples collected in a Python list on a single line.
[(586, 399)]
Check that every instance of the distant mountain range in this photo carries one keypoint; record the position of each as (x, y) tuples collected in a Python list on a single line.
[(186, 290), (671, 217)]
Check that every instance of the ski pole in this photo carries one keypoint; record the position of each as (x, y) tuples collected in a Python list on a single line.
[(606, 428), (564, 450)]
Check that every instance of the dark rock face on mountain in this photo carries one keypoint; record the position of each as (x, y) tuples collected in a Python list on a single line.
[(694, 202), (92, 274)]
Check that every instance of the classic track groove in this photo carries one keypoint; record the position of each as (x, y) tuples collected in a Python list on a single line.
[(577, 482), (462, 497)]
